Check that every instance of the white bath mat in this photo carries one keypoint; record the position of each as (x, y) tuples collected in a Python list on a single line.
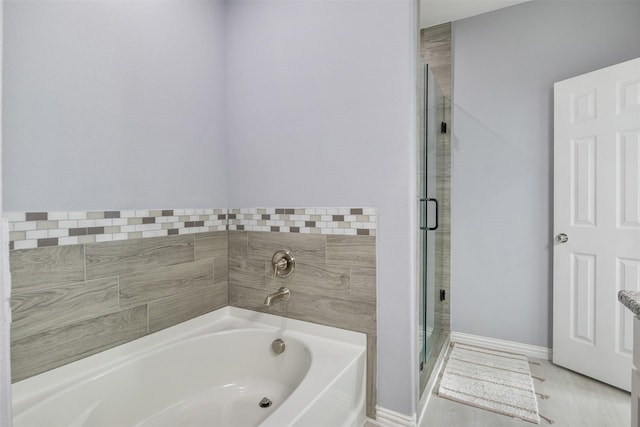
[(492, 380)]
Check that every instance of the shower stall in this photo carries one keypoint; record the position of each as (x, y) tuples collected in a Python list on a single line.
[(433, 227)]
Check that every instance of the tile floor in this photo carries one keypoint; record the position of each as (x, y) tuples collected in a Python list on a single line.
[(575, 401)]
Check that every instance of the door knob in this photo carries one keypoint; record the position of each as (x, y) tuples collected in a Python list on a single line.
[(562, 238)]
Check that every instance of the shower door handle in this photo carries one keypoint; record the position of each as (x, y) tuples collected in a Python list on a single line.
[(435, 227), (423, 202)]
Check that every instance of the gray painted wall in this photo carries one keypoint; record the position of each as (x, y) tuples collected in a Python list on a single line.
[(6, 406), (113, 105), (120, 105), (322, 113), (505, 64)]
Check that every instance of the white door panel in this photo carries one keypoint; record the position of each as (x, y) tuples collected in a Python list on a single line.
[(597, 205), (628, 179)]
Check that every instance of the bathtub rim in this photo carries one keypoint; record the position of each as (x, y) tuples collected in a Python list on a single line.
[(27, 392)]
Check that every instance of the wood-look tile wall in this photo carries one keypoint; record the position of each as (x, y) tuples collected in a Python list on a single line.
[(435, 49), (334, 283), (69, 302)]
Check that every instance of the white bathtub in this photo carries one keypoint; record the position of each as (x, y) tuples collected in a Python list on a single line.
[(209, 371)]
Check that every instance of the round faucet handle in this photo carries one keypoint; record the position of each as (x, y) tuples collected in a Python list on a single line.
[(283, 263)]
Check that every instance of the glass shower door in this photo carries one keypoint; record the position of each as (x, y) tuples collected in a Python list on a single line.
[(433, 122)]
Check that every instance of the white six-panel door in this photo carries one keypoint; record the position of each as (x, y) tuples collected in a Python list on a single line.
[(596, 220)]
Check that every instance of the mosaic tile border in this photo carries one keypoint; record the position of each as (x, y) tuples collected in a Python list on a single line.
[(345, 221), (30, 230)]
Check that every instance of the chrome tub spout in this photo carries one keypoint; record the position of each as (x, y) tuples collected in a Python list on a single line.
[(281, 294)]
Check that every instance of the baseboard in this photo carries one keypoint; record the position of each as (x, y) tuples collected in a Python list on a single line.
[(503, 345), (388, 418), (368, 422), (431, 384)]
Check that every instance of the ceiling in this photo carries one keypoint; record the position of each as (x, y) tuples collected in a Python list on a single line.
[(434, 12)]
